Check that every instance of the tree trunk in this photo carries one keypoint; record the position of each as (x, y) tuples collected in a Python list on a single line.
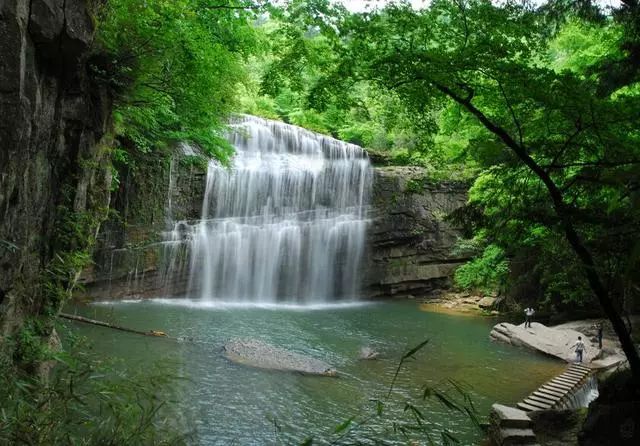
[(73, 317), (583, 254)]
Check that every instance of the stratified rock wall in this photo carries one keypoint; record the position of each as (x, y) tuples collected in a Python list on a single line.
[(52, 125), (411, 243), (135, 254)]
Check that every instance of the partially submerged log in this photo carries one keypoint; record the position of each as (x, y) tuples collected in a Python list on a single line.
[(74, 317), (255, 353)]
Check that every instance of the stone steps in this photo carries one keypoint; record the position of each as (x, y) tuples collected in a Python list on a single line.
[(552, 392), (526, 407), (511, 427), (511, 437), (548, 392)]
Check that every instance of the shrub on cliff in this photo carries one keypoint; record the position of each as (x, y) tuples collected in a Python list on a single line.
[(175, 66)]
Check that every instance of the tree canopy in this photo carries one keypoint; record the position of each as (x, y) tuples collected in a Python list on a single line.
[(175, 66), (537, 107)]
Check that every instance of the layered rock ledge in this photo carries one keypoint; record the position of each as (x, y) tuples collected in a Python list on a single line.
[(410, 240)]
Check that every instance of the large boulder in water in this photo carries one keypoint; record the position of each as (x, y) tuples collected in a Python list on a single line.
[(255, 353), (552, 341)]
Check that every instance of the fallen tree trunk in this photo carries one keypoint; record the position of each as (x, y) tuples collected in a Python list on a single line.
[(73, 317)]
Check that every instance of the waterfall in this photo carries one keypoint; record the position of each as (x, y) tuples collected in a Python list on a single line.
[(582, 396), (286, 222)]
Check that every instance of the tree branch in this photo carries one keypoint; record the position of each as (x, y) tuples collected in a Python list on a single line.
[(585, 257)]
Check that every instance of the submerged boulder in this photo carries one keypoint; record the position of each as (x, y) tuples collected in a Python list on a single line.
[(259, 354), (551, 341), (368, 353)]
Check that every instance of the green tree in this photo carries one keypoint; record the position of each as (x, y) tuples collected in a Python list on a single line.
[(175, 67), (562, 156)]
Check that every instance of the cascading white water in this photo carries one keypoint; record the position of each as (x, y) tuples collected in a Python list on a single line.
[(582, 396), (286, 223)]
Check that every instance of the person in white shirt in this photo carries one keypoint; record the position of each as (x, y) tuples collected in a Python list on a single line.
[(579, 349), (528, 312)]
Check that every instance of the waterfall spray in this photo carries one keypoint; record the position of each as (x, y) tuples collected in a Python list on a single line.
[(285, 223), (582, 396)]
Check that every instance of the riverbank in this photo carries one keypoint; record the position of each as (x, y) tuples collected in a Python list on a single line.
[(553, 340), (461, 303)]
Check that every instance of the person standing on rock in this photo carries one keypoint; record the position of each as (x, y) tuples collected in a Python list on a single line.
[(528, 312), (600, 335), (579, 349)]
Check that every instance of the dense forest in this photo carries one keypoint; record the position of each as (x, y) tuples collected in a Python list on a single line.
[(534, 107)]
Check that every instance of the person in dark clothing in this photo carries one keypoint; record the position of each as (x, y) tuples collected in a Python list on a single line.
[(600, 335), (528, 313)]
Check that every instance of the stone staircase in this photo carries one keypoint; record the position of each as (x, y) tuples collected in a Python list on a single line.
[(510, 426), (550, 394)]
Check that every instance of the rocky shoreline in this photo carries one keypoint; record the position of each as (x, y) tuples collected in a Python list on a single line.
[(554, 340), (461, 303)]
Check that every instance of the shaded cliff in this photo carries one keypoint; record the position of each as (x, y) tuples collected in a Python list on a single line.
[(54, 164), (411, 242), (135, 254)]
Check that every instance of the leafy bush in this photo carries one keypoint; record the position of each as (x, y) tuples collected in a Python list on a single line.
[(487, 272), (175, 66), (88, 402)]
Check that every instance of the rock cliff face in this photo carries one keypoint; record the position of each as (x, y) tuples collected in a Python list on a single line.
[(52, 149), (135, 254), (410, 243), (410, 252)]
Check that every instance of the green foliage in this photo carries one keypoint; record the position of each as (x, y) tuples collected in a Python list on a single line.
[(415, 186), (285, 82), (87, 402), (487, 272), (175, 66), (580, 46), (491, 91), (29, 343), (72, 241), (196, 161)]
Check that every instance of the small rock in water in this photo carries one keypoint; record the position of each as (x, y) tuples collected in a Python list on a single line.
[(255, 353), (368, 353)]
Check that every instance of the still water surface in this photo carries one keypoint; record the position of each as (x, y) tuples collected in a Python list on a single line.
[(231, 404)]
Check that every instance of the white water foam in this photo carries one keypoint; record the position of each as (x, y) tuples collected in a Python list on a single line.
[(231, 305)]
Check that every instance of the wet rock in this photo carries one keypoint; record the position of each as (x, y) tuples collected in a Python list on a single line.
[(368, 353), (46, 20), (410, 240), (259, 354), (53, 134), (551, 341)]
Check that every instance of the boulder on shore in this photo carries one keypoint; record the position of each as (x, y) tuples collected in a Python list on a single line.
[(487, 302), (551, 341), (255, 353)]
